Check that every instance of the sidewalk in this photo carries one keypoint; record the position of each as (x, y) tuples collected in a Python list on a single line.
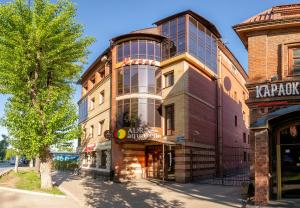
[(98, 193), (12, 199)]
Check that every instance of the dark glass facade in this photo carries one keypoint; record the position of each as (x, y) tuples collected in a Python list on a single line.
[(139, 79), (202, 44), (139, 112), (139, 49), (175, 31)]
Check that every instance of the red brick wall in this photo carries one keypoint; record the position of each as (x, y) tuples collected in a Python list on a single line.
[(202, 113)]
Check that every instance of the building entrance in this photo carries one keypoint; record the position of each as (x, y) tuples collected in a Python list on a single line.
[(155, 167), (288, 162)]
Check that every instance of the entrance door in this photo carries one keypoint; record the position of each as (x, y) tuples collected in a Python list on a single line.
[(290, 170), (288, 162), (155, 165), (154, 161)]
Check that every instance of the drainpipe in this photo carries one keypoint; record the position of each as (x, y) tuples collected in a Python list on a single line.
[(219, 116)]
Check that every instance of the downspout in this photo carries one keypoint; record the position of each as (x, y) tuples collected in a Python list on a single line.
[(219, 139)]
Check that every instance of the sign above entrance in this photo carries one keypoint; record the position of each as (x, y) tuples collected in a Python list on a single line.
[(135, 134), (277, 89)]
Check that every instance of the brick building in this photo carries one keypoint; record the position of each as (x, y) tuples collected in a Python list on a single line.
[(175, 104), (273, 42)]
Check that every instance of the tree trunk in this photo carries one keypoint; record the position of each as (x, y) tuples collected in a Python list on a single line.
[(31, 163), (37, 164), (45, 169), (17, 163)]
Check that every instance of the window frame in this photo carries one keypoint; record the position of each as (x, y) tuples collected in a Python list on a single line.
[(100, 127), (166, 75), (291, 58), (92, 103), (102, 97), (170, 131)]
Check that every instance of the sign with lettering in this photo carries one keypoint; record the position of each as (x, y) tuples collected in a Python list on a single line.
[(137, 134), (129, 61), (278, 89)]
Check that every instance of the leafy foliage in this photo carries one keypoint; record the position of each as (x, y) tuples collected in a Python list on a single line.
[(41, 55), (3, 147)]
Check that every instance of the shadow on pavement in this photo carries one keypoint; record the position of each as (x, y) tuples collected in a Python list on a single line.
[(107, 194)]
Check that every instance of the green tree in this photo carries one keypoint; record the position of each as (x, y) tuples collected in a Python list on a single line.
[(3, 146), (42, 50)]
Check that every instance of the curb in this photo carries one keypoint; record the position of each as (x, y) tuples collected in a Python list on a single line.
[(5, 172), (31, 192)]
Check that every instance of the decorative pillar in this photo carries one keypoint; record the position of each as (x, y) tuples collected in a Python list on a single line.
[(261, 167)]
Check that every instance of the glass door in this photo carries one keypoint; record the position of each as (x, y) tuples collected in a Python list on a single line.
[(288, 162)]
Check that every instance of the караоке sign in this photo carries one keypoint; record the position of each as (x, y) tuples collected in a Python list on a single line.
[(277, 89)]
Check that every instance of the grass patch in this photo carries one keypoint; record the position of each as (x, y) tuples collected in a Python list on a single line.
[(27, 180)]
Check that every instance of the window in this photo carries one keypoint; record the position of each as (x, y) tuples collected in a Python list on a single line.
[(102, 74), (175, 30), (244, 96), (135, 49), (139, 79), (93, 81), (244, 138), (101, 98), (92, 103), (169, 79), (91, 132), (294, 61), (126, 50), (136, 112), (245, 156), (235, 120), (100, 128), (169, 120), (120, 53), (202, 44)]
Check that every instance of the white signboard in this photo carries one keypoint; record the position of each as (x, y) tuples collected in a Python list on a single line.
[(274, 90)]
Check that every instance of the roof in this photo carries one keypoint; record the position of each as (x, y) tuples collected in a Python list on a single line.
[(275, 13), (105, 52), (278, 15), (201, 19), (146, 32)]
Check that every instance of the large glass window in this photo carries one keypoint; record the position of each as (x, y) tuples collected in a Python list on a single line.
[(126, 50), (202, 44), (139, 79), (175, 30), (137, 112), (120, 53), (135, 49)]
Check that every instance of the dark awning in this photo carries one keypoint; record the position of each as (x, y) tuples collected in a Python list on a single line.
[(263, 122)]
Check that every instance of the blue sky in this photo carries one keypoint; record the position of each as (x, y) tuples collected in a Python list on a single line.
[(107, 19)]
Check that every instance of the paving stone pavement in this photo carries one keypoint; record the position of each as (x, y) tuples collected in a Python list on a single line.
[(90, 193), (11, 199)]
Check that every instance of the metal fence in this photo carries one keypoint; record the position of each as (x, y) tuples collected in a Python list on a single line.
[(235, 168)]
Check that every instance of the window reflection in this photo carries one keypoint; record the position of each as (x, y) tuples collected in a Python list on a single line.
[(139, 79), (139, 112), (202, 44), (143, 49)]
